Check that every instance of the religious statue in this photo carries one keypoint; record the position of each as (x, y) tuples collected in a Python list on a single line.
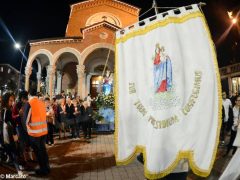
[(107, 83), (162, 70)]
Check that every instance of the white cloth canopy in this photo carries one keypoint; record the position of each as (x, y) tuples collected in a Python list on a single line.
[(167, 93)]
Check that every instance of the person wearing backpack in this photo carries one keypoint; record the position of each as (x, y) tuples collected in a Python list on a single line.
[(8, 128)]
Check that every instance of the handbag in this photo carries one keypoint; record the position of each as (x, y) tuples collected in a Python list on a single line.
[(6, 138)]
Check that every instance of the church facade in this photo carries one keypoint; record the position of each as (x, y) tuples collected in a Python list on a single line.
[(75, 62)]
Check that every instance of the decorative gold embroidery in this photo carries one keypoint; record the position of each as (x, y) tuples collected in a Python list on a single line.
[(163, 123), (195, 92), (140, 107), (158, 24), (132, 88)]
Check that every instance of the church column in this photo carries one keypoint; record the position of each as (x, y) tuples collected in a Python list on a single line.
[(50, 75), (39, 76), (47, 84), (54, 83), (59, 82), (28, 72), (81, 80), (88, 84)]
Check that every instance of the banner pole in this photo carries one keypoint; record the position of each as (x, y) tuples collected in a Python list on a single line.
[(155, 7)]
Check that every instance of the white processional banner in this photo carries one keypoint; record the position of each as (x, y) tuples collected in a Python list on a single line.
[(167, 93)]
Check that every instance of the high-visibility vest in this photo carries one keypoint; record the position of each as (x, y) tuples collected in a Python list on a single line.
[(37, 123)]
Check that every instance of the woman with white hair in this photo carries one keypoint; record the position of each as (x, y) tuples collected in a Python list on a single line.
[(60, 117)]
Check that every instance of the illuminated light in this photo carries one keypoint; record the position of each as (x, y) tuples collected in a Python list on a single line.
[(234, 20), (230, 14), (17, 46)]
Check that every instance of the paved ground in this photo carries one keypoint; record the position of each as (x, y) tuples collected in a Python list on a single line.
[(78, 159)]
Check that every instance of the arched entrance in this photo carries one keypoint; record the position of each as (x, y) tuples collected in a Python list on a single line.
[(94, 66), (66, 78), (36, 70)]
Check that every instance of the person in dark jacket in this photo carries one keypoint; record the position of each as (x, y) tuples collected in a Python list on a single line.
[(71, 120), (23, 137), (86, 118), (77, 116), (61, 117), (222, 130), (233, 97), (235, 111), (8, 128)]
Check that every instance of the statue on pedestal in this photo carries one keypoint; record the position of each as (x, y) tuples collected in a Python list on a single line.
[(107, 87)]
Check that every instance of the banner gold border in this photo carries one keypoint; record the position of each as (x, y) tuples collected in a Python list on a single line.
[(181, 154)]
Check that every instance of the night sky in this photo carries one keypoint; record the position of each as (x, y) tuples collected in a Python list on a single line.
[(37, 19)]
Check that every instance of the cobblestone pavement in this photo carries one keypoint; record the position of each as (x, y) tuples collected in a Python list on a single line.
[(94, 160)]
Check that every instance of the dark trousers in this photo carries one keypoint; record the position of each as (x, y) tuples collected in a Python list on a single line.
[(87, 125), (176, 176), (50, 133), (22, 138), (38, 145), (222, 133), (78, 127), (73, 128), (230, 144), (12, 152)]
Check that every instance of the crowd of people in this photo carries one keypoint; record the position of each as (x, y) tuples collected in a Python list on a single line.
[(29, 121), (230, 116), (231, 127)]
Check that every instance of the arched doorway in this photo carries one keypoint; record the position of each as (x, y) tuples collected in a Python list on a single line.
[(38, 77), (36, 69), (94, 66), (66, 74)]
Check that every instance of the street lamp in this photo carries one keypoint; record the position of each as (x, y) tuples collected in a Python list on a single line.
[(233, 19), (18, 46)]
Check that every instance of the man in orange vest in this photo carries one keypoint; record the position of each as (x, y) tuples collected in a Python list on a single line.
[(36, 125)]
